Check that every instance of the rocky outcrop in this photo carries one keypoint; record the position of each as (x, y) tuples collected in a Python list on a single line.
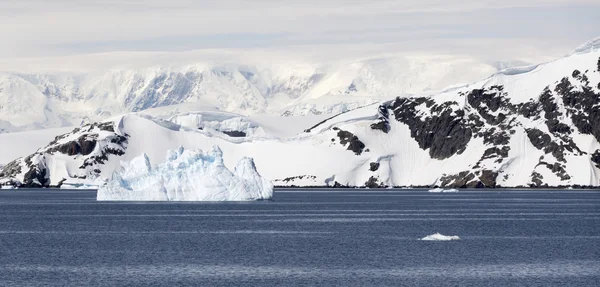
[(235, 134), (442, 131), (383, 121), (89, 146), (470, 179), (596, 158), (374, 166), (445, 128), (373, 182), (348, 138)]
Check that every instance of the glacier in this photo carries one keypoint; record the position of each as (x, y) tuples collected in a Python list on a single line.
[(186, 175)]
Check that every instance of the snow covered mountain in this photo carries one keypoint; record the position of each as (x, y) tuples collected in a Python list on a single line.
[(34, 101), (533, 126)]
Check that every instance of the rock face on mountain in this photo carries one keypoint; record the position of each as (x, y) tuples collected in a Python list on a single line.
[(80, 155), (535, 126)]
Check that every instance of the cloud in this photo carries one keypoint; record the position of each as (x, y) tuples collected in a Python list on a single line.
[(36, 28)]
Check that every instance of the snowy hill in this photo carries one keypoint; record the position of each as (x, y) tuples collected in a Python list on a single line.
[(532, 126), (33, 101)]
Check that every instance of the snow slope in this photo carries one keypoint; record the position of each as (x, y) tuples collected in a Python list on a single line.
[(534, 126), (33, 101), (19, 144)]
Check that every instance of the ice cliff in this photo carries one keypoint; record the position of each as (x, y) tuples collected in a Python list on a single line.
[(187, 175)]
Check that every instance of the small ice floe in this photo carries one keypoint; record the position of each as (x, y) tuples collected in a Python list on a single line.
[(437, 189), (78, 186), (440, 237), (7, 187)]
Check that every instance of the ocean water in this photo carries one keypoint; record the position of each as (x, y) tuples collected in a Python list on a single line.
[(303, 238)]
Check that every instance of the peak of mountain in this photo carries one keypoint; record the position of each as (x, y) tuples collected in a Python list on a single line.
[(588, 47)]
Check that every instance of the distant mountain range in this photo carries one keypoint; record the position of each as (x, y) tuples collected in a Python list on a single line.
[(531, 126), (35, 101)]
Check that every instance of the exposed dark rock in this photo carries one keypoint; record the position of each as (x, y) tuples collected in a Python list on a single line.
[(544, 142), (491, 99), (488, 178), (470, 179), (552, 114), (70, 148), (235, 134), (339, 185), (383, 121), (11, 169), (495, 136), (443, 133), (35, 177), (59, 137), (84, 145), (555, 126), (119, 139), (60, 183), (292, 178), (557, 169), (373, 182), (354, 144), (581, 106), (496, 152), (383, 126), (457, 180), (322, 122), (102, 158), (537, 179), (87, 144), (374, 166), (596, 158), (106, 126), (530, 109), (352, 88), (538, 138)]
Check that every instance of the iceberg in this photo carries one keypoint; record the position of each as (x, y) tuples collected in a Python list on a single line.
[(443, 190), (439, 237), (186, 175)]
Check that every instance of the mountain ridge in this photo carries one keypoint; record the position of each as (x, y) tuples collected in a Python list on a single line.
[(34, 101), (531, 128)]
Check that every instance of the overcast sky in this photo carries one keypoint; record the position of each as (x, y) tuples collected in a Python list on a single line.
[(503, 30)]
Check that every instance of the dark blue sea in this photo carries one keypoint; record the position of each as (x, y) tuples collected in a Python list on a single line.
[(303, 238)]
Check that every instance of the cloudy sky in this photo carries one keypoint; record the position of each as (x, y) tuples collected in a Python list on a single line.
[(503, 30)]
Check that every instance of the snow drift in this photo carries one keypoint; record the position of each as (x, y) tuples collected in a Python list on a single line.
[(187, 175)]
